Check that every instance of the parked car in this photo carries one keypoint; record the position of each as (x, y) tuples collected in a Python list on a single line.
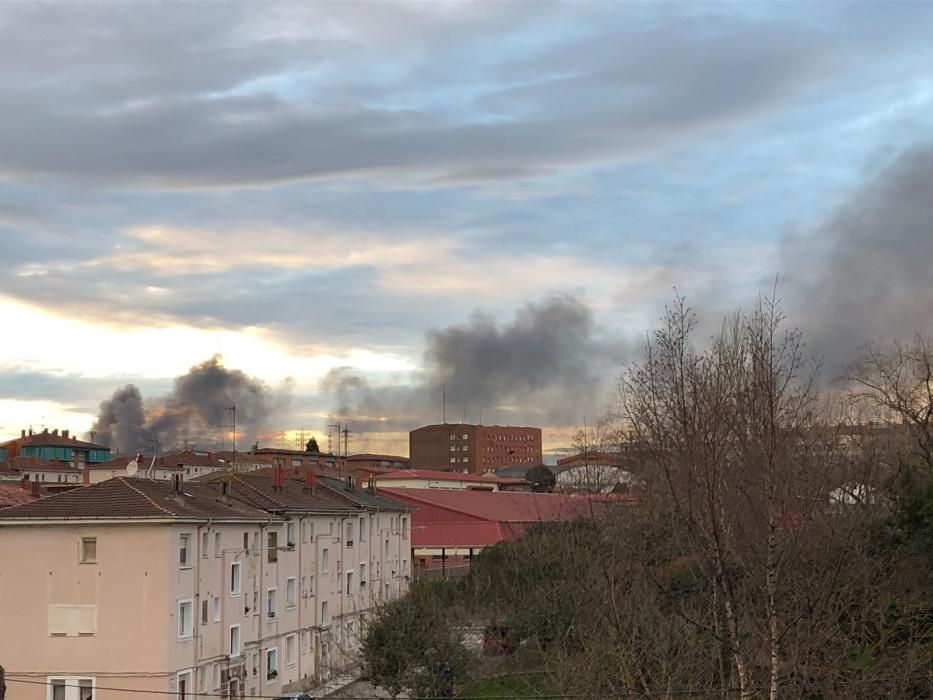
[(294, 696)]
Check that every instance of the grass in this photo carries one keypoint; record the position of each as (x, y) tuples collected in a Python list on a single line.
[(518, 686)]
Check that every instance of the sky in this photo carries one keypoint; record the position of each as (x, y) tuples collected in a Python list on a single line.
[(339, 212)]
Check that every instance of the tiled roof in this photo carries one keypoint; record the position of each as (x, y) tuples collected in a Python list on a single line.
[(498, 506), (52, 439), (13, 495), (131, 498), (20, 464), (364, 457), (439, 475)]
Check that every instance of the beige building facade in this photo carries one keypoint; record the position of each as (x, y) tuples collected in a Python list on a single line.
[(234, 588)]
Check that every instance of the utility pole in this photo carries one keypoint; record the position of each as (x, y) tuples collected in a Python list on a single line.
[(346, 441)]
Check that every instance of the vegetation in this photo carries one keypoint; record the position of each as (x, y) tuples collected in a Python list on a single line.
[(312, 446), (778, 548)]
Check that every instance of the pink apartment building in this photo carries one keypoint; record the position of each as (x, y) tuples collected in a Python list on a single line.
[(241, 585)]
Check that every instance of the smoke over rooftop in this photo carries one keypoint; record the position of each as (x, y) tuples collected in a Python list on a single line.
[(196, 412), (548, 366)]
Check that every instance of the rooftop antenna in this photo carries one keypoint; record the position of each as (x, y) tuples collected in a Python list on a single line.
[(132, 467), (346, 441), (155, 450)]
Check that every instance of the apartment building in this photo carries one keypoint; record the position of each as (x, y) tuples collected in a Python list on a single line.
[(237, 586), (463, 447)]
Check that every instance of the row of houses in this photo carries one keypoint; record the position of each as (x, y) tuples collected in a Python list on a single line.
[(227, 585)]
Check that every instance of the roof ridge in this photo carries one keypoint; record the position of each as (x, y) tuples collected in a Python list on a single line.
[(125, 482)]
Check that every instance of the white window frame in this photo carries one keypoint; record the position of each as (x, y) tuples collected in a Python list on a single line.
[(205, 538), (350, 590), (290, 533), (362, 528), (181, 633), (83, 558), (218, 549), (291, 584), (272, 602), (215, 672), (325, 561), (238, 579), (325, 614), (184, 545), (70, 682), (189, 693), (274, 666), (239, 642), (291, 640)]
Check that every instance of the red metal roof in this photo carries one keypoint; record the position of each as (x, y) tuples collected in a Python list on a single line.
[(497, 506)]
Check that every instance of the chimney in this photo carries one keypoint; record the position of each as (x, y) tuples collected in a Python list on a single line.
[(30, 432), (86, 475), (65, 433), (55, 432), (35, 489), (372, 484), (349, 483), (309, 482), (22, 433), (226, 488), (178, 482)]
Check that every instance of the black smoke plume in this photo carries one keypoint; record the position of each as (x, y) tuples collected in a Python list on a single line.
[(195, 413), (867, 272), (549, 366)]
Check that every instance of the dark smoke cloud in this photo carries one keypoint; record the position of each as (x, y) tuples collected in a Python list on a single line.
[(867, 272), (195, 412), (548, 366)]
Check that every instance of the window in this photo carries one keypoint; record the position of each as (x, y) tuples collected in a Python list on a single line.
[(245, 540), (71, 688), (404, 567), (290, 592), (271, 595), (325, 561), (272, 543), (185, 685), (325, 617), (215, 676), (453, 459), (296, 461), (362, 575), (204, 541), (362, 529), (350, 533), (466, 436), (204, 611), (290, 533), (305, 641), (272, 660), (183, 558), (256, 542), (88, 550), (453, 437), (216, 608), (185, 619), (465, 448), (349, 583), (255, 602), (72, 620), (235, 578), (291, 644), (304, 530), (404, 528), (234, 641), (453, 448)]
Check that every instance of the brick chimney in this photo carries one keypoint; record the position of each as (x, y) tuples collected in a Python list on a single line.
[(65, 433)]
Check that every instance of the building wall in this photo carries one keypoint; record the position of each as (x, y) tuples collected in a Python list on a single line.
[(445, 447), (138, 583), (501, 446), (127, 584), (436, 484)]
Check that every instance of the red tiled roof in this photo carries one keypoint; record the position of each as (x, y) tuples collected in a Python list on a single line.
[(54, 440), (21, 464), (126, 497), (13, 495), (380, 458), (439, 475)]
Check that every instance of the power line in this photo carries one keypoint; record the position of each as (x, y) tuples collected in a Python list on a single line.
[(12, 678)]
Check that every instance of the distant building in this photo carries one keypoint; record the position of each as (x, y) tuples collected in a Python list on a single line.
[(295, 459), (463, 447), (451, 527), (55, 446), (373, 461), (248, 585), (188, 463), (435, 479)]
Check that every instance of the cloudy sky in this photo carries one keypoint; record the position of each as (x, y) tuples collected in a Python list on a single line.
[(355, 204)]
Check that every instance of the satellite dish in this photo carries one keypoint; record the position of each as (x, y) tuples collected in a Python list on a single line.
[(132, 467)]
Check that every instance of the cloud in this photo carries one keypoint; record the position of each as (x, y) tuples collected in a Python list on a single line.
[(867, 271), (183, 96)]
